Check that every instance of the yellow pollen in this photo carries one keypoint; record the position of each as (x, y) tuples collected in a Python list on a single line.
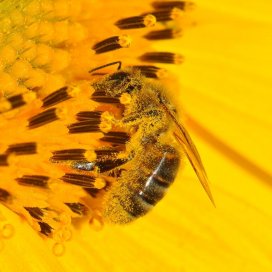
[(99, 183), (125, 41), (107, 117), (105, 126), (61, 112), (74, 91), (177, 33), (4, 105), (150, 20), (176, 13), (162, 73), (178, 59), (125, 99), (90, 155), (29, 97)]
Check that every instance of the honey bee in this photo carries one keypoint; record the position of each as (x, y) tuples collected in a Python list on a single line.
[(113, 164), (153, 151)]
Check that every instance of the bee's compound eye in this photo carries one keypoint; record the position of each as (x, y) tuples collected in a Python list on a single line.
[(133, 87), (119, 76)]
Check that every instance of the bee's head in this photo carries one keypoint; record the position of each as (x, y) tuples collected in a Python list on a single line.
[(122, 81)]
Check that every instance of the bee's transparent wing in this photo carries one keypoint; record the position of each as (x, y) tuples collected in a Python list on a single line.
[(192, 154)]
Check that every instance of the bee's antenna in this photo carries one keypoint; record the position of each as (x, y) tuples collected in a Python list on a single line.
[(191, 152), (106, 65)]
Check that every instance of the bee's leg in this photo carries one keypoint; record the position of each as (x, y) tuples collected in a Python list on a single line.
[(106, 161)]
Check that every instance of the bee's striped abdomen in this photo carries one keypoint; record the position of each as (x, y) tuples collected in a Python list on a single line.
[(136, 196)]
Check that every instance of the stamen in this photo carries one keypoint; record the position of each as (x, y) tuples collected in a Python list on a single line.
[(22, 149), (125, 98), (44, 118), (84, 127), (100, 183), (102, 97), (35, 212), (45, 228), (89, 121), (79, 180), (33, 180), (107, 120), (3, 160), (56, 97), (163, 34), (88, 115), (77, 208), (183, 5), (5, 196), (16, 101), (167, 15), (92, 191), (162, 57), (136, 22), (112, 43), (151, 71), (115, 137), (68, 154)]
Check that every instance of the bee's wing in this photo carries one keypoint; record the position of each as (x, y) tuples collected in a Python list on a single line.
[(191, 152), (193, 156)]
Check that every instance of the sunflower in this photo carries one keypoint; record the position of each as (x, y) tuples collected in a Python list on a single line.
[(221, 89)]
